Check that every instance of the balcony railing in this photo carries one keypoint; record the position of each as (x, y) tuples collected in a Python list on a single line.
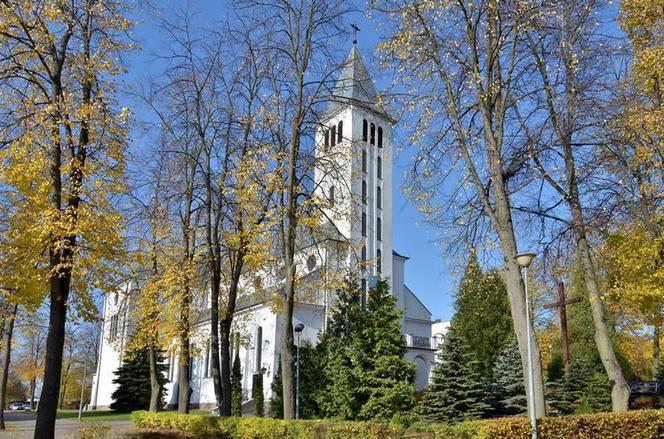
[(417, 341)]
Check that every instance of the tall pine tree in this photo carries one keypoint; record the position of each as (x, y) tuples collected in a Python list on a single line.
[(236, 386), (509, 390), (457, 391), (365, 372), (133, 381), (483, 315)]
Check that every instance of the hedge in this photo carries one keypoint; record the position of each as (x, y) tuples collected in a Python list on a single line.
[(642, 424)]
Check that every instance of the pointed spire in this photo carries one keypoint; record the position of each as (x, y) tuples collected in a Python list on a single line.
[(354, 83)]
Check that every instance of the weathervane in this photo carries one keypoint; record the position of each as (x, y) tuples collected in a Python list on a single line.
[(355, 30)]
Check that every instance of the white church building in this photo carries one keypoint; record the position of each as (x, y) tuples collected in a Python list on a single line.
[(359, 132)]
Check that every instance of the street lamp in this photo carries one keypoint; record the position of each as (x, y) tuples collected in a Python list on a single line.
[(298, 331), (524, 260)]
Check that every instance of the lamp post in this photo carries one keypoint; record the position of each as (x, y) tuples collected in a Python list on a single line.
[(524, 260), (298, 331)]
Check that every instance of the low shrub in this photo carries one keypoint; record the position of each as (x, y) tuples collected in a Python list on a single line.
[(642, 424)]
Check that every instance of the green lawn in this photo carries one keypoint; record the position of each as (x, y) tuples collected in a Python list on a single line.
[(106, 415)]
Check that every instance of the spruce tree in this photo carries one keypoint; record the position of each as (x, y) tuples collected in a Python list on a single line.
[(236, 386), (362, 352), (259, 396), (457, 392), (133, 381), (339, 398), (277, 401), (482, 314), (386, 379), (510, 392)]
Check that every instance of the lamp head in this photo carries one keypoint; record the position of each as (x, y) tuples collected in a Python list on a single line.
[(299, 327), (524, 259)]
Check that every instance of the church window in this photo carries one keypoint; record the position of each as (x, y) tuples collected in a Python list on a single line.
[(327, 137), (364, 253), (364, 285), (331, 195), (364, 192), (364, 161), (379, 198), (340, 131), (333, 135), (258, 355), (379, 261), (380, 137), (364, 130), (113, 333), (372, 138), (379, 228), (207, 360), (379, 167), (364, 224)]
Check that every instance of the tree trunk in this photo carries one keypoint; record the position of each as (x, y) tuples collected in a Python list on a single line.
[(516, 293), (55, 340), (225, 372), (5, 366), (620, 389), (655, 352), (226, 323), (184, 386), (217, 380), (155, 387)]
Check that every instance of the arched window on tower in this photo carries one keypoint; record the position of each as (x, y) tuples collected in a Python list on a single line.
[(379, 167), (364, 253), (364, 192), (379, 261), (340, 131), (372, 138), (327, 137), (379, 229), (364, 161), (331, 195), (364, 130), (333, 135), (364, 224), (380, 137), (379, 198)]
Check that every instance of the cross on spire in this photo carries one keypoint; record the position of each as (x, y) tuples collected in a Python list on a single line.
[(355, 31)]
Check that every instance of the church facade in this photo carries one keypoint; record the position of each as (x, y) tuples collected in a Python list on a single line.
[(355, 138)]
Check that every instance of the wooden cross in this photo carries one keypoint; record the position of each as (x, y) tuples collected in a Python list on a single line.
[(355, 30), (562, 305)]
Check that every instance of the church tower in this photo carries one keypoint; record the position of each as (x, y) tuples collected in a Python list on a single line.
[(354, 169)]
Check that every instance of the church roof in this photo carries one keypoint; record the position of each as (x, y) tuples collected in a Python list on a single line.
[(355, 86), (354, 82)]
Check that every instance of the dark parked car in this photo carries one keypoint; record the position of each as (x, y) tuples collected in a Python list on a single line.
[(646, 395)]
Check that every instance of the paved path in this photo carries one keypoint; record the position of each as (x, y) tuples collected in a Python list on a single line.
[(21, 425)]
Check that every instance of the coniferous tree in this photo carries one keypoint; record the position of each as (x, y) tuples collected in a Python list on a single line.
[(365, 372), (338, 399), (457, 391), (482, 314), (386, 378), (236, 386), (133, 389), (277, 401), (509, 389), (586, 389), (259, 396)]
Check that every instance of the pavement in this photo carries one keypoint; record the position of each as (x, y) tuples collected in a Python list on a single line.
[(21, 425)]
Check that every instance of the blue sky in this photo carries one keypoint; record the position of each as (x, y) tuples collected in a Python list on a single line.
[(429, 271)]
